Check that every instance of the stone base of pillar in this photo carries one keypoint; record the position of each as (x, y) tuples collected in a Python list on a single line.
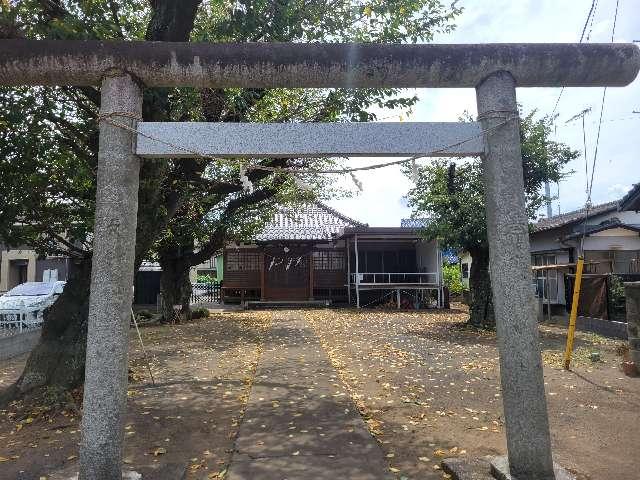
[(489, 468), (500, 470), (72, 474)]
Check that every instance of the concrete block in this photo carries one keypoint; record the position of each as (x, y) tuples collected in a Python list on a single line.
[(18, 344), (500, 470), (467, 468)]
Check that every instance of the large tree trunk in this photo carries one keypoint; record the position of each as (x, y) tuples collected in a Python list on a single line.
[(59, 358), (175, 286), (481, 310), (57, 361)]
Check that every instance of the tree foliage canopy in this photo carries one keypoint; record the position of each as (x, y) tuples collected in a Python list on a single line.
[(48, 140), (451, 194)]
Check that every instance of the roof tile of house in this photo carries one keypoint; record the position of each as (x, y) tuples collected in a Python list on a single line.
[(573, 217), (631, 201), (314, 221)]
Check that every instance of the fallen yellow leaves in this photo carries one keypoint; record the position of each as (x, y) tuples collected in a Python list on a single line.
[(220, 474), (159, 451)]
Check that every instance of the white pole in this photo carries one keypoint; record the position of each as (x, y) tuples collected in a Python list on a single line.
[(357, 272), (348, 270), (439, 274)]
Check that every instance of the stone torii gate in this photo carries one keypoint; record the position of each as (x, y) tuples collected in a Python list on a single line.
[(494, 70)]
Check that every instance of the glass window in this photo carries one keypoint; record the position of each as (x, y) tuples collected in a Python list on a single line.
[(546, 280), (602, 258), (625, 261), (465, 270)]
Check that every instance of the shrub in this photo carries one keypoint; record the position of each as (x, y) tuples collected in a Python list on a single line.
[(205, 279), (146, 314), (199, 313), (453, 278)]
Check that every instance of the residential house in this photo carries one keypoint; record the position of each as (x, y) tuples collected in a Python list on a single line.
[(631, 201), (609, 238), (212, 268), (313, 253)]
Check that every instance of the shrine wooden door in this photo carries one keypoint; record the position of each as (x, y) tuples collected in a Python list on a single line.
[(286, 275)]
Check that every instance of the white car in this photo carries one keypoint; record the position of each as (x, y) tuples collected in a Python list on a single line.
[(23, 306)]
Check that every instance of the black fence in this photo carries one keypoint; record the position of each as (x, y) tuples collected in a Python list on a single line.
[(205, 293), (601, 296)]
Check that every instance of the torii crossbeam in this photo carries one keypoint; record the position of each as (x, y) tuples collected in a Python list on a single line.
[(494, 70)]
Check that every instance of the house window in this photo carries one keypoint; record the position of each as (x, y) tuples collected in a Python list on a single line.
[(239, 261), (612, 261), (546, 281), (465, 270), (328, 260)]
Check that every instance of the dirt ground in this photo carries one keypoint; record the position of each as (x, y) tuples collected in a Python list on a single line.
[(427, 388), (430, 389), (189, 419)]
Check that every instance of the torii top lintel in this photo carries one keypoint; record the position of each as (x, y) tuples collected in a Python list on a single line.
[(273, 65)]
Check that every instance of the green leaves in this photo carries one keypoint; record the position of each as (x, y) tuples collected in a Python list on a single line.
[(454, 199), (48, 136)]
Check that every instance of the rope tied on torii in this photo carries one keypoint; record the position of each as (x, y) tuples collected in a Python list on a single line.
[(245, 168)]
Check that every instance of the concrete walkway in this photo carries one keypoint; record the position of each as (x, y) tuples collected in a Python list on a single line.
[(300, 423)]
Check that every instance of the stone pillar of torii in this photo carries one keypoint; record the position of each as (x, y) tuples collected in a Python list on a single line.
[(494, 70)]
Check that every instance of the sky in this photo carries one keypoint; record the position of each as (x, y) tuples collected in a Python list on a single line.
[(382, 201)]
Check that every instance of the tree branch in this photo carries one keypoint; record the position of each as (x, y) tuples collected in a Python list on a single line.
[(114, 13)]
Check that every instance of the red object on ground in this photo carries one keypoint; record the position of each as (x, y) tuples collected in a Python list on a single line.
[(629, 368)]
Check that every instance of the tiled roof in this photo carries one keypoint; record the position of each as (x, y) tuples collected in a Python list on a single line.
[(589, 229), (631, 201), (572, 217), (313, 221), (414, 222)]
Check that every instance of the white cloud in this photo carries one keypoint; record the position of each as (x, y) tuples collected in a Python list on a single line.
[(532, 21), (617, 191)]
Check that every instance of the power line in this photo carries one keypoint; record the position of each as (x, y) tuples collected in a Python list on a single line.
[(584, 29), (604, 94), (595, 153), (581, 115)]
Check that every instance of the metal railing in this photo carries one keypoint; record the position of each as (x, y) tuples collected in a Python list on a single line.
[(205, 293), (19, 321), (382, 278)]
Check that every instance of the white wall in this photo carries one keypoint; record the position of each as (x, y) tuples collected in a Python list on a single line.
[(7, 256), (465, 258), (604, 241)]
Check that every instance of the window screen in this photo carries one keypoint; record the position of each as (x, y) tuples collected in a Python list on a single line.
[(243, 261), (328, 260)]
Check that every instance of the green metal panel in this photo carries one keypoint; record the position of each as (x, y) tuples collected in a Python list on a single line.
[(219, 268)]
